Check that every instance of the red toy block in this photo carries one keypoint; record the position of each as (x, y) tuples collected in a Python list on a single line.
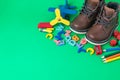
[(116, 33), (98, 49), (113, 42), (44, 25), (118, 36)]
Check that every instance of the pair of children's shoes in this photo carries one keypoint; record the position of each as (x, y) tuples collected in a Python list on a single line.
[(98, 20)]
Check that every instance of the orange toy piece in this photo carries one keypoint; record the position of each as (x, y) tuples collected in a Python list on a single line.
[(75, 38)]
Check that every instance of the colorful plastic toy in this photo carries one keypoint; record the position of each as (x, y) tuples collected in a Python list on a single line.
[(116, 33), (91, 50), (49, 35), (59, 19), (62, 42), (60, 27), (65, 10), (113, 42), (98, 49), (48, 30), (67, 33), (75, 38), (58, 36), (57, 42), (68, 38), (44, 25), (72, 42), (80, 48), (118, 36), (83, 41)]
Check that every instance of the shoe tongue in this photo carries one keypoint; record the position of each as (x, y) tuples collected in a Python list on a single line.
[(92, 4), (108, 12)]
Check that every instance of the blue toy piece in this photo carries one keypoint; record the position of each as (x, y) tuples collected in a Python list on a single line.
[(62, 42), (65, 9), (58, 37), (60, 27), (80, 48), (68, 38), (72, 43)]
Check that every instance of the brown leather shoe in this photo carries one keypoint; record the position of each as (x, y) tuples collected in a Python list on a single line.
[(105, 25), (87, 17)]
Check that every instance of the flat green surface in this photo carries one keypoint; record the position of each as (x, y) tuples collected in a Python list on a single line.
[(25, 53)]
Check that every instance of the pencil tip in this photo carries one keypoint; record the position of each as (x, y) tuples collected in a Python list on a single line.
[(104, 50), (103, 57), (104, 62)]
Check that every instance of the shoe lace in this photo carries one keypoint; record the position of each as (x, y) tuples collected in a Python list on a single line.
[(101, 19), (86, 10)]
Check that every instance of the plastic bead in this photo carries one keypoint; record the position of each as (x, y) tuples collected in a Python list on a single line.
[(116, 33), (113, 42), (118, 36)]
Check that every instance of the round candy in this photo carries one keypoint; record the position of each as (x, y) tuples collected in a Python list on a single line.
[(113, 42)]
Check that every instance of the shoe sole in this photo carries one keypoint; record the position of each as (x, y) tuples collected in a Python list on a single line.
[(77, 31), (105, 41), (95, 43)]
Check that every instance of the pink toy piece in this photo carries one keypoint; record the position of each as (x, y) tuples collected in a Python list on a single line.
[(67, 32), (57, 42), (83, 41)]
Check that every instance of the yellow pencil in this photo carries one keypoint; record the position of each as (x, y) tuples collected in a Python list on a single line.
[(113, 59)]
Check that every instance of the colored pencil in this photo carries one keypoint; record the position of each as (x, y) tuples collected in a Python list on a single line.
[(111, 57), (111, 49), (108, 55), (110, 60)]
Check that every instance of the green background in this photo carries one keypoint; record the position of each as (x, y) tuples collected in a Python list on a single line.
[(25, 53)]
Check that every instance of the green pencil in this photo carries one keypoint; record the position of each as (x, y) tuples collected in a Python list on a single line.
[(111, 54)]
